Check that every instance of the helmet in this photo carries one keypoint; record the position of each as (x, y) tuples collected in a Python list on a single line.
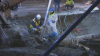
[(52, 10), (38, 16)]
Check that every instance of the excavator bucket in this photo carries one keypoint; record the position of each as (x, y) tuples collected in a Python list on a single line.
[(3, 21)]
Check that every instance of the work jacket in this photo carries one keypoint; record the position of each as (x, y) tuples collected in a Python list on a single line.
[(70, 2), (53, 17), (35, 24)]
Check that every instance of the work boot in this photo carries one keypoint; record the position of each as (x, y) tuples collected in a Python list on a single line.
[(45, 40)]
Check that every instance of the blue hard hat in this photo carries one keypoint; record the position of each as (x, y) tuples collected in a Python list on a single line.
[(52, 9)]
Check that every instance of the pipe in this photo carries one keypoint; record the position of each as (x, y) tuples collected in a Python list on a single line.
[(78, 39), (70, 29), (46, 20)]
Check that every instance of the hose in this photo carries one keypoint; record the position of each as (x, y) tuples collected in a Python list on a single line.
[(67, 28)]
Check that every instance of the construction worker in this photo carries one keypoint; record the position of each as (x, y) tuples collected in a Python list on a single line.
[(69, 3), (36, 24), (57, 5), (52, 23)]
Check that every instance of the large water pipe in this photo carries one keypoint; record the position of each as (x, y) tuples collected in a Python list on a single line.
[(46, 19)]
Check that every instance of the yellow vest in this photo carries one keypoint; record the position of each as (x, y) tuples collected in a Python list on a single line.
[(70, 2), (36, 23), (52, 14)]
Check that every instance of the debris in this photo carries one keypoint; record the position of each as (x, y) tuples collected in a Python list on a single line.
[(78, 29), (88, 3), (38, 40)]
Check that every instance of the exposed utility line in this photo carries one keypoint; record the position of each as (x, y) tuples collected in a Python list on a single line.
[(72, 41)]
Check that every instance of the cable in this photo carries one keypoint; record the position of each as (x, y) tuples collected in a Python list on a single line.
[(80, 23), (67, 28)]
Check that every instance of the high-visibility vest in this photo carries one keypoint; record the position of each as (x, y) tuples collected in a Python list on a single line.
[(36, 23), (52, 14), (70, 2)]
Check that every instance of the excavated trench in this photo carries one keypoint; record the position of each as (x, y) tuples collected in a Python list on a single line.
[(27, 45), (30, 46)]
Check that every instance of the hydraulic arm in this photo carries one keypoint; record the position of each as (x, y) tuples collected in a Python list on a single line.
[(7, 5)]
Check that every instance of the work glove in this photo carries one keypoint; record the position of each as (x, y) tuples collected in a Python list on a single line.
[(48, 23), (53, 21), (41, 27), (34, 29), (54, 34)]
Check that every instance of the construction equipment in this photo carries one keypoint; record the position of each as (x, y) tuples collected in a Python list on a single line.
[(7, 5)]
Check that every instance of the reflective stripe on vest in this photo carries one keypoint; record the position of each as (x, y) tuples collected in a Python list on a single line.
[(70, 2), (31, 26), (36, 23)]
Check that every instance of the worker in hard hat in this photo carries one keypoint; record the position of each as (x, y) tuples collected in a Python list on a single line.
[(52, 23), (36, 24), (69, 3)]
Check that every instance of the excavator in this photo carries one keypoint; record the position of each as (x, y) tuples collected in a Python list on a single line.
[(6, 5)]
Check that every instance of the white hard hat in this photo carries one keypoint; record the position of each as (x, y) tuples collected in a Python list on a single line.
[(38, 16)]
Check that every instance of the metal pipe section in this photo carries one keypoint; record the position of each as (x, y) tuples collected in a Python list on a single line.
[(70, 29), (46, 19)]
